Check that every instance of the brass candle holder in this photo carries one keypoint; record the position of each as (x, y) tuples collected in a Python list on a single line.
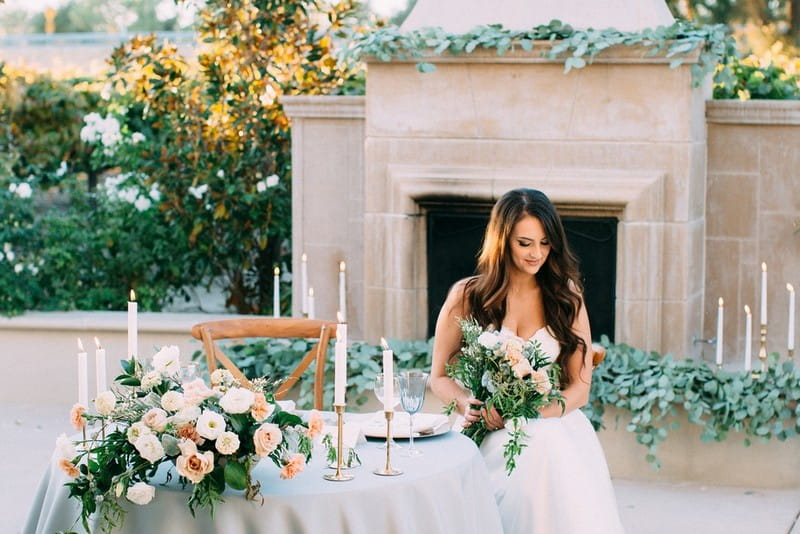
[(790, 354), (338, 476), (762, 352), (388, 470)]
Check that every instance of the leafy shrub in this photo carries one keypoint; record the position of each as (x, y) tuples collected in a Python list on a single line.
[(748, 79)]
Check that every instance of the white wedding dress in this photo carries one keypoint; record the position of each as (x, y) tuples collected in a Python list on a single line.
[(561, 483)]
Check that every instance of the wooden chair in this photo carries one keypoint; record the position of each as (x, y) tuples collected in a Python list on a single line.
[(264, 327), (599, 354)]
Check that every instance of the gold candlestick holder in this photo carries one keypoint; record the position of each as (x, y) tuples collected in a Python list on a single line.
[(338, 476), (762, 352), (388, 470), (790, 354)]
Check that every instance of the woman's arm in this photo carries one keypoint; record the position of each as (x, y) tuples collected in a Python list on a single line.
[(579, 369)]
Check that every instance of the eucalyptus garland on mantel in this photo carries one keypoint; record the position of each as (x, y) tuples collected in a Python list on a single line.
[(576, 48)]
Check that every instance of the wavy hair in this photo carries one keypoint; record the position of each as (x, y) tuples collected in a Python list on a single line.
[(559, 277)]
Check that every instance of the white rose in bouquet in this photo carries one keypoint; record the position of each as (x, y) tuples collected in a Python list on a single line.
[(150, 448), (140, 493), (137, 430), (172, 401), (150, 380), (167, 360), (227, 443), (105, 403), (237, 400), (489, 339)]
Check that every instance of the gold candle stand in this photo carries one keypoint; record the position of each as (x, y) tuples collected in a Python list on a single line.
[(338, 476), (388, 470), (762, 352)]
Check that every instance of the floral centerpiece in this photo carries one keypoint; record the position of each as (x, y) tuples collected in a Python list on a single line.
[(212, 436), (507, 373)]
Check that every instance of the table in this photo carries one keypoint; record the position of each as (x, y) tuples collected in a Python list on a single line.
[(447, 490)]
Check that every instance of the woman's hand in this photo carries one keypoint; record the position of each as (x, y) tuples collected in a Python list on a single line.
[(474, 411)]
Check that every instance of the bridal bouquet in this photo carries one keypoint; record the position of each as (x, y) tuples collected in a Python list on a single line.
[(506, 373), (211, 436)]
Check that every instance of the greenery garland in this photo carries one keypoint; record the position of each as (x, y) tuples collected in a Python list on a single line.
[(575, 47), (652, 389)]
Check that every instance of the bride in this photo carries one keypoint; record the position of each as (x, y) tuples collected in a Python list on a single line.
[(528, 285)]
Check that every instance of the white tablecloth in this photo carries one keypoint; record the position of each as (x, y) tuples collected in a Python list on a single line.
[(446, 490)]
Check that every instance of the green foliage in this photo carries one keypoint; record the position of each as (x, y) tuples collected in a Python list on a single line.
[(555, 40), (744, 79), (654, 388)]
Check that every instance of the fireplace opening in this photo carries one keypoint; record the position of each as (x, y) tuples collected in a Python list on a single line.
[(454, 234)]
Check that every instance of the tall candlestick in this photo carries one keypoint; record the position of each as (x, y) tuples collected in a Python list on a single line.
[(790, 334), (720, 313), (388, 377), (276, 292), (763, 293), (133, 326), (100, 366), (340, 362), (342, 294), (310, 302), (83, 376), (304, 282), (748, 338)]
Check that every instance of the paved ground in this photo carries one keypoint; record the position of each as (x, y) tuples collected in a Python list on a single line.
[(29, 431)]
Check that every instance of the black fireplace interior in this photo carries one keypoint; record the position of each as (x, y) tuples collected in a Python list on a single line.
[(454, 236)]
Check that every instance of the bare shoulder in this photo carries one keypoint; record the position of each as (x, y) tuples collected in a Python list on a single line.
[(456, 301)]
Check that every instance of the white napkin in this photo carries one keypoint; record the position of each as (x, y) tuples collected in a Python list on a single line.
[(424, 424)]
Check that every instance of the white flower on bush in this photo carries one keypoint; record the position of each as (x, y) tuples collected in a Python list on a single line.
[(105, 402), (62, 169), (199, 191), (140, 493), (156, 419), (142, 203), (155, 193), (137, 137), (237, 400), (220, 174), (18, 268), (22, 190), (210, 425), (227, 443), (167, 360), (187, 415), (489, 339), (172, 401), (270, 181), (99, 128), (149, 448), (150, 380), (65, 447), (136, 431)]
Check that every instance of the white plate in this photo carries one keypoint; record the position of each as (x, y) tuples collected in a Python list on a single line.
[(375, 428)]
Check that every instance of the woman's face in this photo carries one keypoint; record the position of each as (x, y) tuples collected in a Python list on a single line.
[(528, 245)]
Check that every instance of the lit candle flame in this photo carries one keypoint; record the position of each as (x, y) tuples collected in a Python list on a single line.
[(790, 288), (339, 317), (747, 309), (721, 302), (80, 345), (133, 296), (384, 344), (341, 266), (97, 343), (764, 266), (276, 271), (310, 291), (304, 257)]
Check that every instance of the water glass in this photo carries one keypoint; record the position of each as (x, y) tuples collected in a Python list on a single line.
[(412, 396), (378, 390)]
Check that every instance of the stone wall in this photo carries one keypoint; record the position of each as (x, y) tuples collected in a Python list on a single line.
[(752, 215)]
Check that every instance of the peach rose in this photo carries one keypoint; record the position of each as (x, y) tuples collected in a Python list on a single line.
[(190, 432), (522, 368), (76, 416), (69, 468), (542, 381), (193, 464), (261, 409), (267, 438), (155, 418), (513, 356), (293, 467), (315, 424)]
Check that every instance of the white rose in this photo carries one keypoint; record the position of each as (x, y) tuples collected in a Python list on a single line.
[(210, 424), (24, 190), (151, 380), (65, 447), (167, 360), (150, 448), (105, 403), (489, 339), (142, 203), (188, 414), (237, 400), (140, 493), (172, 401), (227, 443), (136, 431), (155, 418), (137, 137), (221, 376)]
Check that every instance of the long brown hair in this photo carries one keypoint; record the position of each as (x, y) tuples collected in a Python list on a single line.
[(559, 277)]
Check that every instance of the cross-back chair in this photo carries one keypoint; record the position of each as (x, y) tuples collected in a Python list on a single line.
[(264, 327)]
